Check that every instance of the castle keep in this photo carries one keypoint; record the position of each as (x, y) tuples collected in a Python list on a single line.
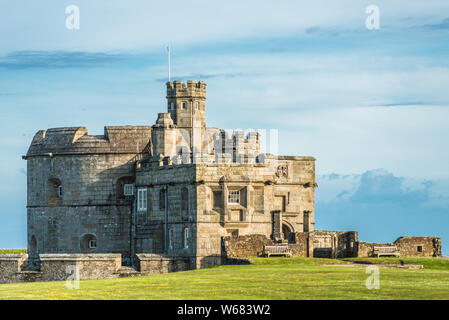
[(172, 196), (175, 188)]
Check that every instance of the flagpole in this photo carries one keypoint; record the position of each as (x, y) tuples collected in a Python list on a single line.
[(168, 49)]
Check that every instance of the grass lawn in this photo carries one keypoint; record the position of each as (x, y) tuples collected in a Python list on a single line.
[(267, 278), (13, 251)]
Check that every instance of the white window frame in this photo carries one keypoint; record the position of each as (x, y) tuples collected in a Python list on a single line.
[(234, 196), (186, 238), (60, 191), (92, 244), (128, 189), (141, 199)]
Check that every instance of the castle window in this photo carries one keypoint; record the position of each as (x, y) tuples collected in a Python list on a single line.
[(184, 200), (33, 244), (234, 197), (419, 249), (141, 199), (124, 187), (162, 199), (197, 105), (88, 243), (128, 189), (184, 105), (186, 238), (54, 189), (92, 244), (170, 238)]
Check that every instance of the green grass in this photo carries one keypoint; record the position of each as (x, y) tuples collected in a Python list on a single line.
[(428, 263), (266, 278), (13, 251)]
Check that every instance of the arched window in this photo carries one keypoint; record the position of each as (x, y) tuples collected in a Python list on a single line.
[(162, 199), (184, 201), (33, 244), (170, 239), (54, 189), (185, 238)]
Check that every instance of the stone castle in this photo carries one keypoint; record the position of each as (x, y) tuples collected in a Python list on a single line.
[(173, 196)]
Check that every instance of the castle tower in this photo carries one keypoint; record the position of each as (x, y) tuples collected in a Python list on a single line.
[(186, 103)]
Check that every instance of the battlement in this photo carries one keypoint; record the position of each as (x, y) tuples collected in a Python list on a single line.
[(190, 89), (76, 140)]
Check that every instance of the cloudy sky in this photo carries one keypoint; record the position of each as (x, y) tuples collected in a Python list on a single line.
[(371, 105)]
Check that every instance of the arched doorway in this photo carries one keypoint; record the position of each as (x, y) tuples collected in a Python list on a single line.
[(286, 230)]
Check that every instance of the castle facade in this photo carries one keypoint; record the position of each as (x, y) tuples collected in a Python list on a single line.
[(175, 188)]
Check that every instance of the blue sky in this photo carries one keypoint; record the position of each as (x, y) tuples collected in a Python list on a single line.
[(371, 105)]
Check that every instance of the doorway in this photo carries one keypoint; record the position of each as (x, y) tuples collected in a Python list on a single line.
[(286, 230)]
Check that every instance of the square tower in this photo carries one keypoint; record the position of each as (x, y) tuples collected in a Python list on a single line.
[(186, 103)]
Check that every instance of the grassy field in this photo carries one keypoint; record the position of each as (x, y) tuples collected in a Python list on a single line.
[(12, 251), (266, 278)]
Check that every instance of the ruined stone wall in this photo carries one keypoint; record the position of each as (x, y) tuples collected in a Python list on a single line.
[(407, 246), (333, 244), (419, 246), (366, 249), (245, 246), (319, 244)]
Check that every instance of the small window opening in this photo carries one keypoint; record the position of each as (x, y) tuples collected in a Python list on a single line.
[(92, 244), (234, 197)]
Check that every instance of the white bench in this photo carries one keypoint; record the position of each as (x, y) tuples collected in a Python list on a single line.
[(386, 251), (277, 251)]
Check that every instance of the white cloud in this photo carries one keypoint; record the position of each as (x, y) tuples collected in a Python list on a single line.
[(119, 24)]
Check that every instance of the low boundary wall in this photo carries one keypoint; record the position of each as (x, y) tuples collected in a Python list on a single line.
[(61, 267)]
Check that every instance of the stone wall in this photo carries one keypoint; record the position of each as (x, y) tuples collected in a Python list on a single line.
[(407, 246), (285, 185), (320, 244), (245, 246), (10, 266), (61, 267), (333, 244), (155, 263), (75, 189), (366, 249), (419, 246)]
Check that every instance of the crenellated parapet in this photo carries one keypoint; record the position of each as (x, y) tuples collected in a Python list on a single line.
[(190, 89)]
